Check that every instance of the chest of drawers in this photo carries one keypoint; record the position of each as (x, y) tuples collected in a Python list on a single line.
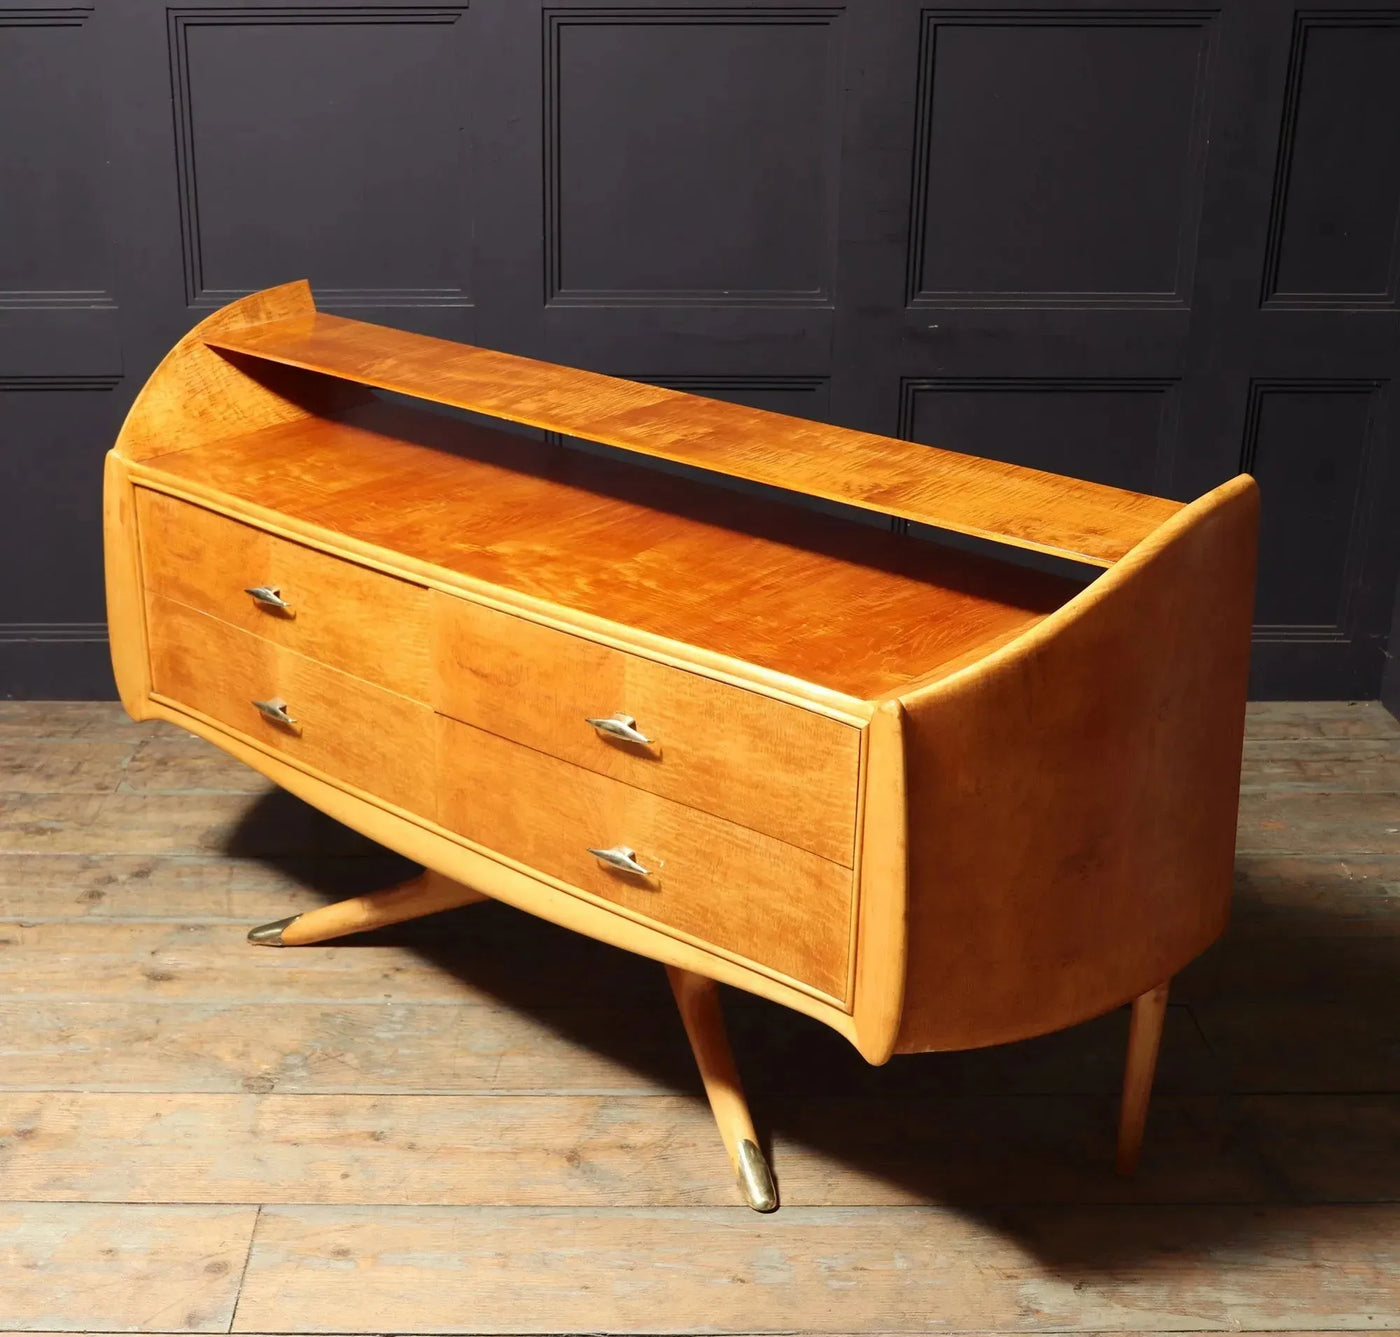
[(933, 797)]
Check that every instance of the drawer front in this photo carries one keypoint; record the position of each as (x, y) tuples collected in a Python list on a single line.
[(347, 616), (787, 772), (756, 897), (375, 740)]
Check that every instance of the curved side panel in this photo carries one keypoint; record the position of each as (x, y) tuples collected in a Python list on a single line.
[(197, 395), (881, 932), (126, 610), (1072, 799)]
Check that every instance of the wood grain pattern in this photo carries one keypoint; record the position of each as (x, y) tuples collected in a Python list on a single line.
[(196, 395), (438, 849), (958, 492), (371, 738), (1056, 766), (577, 1148), (359, 621), (126, 612), (1302, 720), (165, 824), (108, 885), (703, 1018), (181, 962), (1090, 772), (72, 720), (428, 893), (520, 1099), (840, 1270), (776, 768), (757, 897), (881, 952), (815, 599), (130, 1041), (1144, 1039), (85, 1267), (41, 766)]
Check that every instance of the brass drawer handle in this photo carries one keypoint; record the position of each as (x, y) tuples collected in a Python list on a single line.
[(621, 858), (268, 596), (620, 726), (275, 710)]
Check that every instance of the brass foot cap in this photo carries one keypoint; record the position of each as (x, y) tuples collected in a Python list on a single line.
[(756, 1179), (270, 935)]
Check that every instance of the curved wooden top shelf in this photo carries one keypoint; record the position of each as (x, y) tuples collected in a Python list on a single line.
[(1026, 508)]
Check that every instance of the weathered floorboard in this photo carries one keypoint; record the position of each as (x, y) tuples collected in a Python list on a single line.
[(820, 1270), (481, 1123), (603, 1151), (86, 1267)]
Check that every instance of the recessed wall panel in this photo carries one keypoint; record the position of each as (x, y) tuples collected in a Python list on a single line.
[(1307, 444), (690, 155), (327, 144), (797, 396), (54, 431), (52, 248), (1337, 192), (1059, 157), (1109, 431)]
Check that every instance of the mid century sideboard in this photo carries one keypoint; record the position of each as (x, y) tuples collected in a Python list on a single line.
[(928, 793)]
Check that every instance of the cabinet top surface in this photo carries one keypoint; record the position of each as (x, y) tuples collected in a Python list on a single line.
[(1014, 505), (838, 604)]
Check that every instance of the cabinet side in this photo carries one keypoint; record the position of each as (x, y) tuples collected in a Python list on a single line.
[(1073, 798), (126, 613), (196, 395), (881, 923)]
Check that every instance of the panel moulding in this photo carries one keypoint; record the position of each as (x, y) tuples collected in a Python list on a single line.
[(179, 23), (68, 633), (59, 382), (1304, 23), (555, 294), (931, 20), (1358, 525), (87, 299), (910, 387)]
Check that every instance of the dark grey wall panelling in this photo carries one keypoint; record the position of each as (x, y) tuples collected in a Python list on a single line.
[(1083, 187), (60, 352), (1324, 350), (1117, 431), (691, 156), (1333, 236), (291, 120), (1146, 243)]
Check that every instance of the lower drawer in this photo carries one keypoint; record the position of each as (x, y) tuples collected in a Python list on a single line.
[(737, 889), (370, 738)]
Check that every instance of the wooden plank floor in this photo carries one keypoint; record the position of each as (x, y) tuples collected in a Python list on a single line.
[(482, 1124)]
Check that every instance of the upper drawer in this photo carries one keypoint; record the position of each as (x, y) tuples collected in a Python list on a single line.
[(772, 767), (354, 619)]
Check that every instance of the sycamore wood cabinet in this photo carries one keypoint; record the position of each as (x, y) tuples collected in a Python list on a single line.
[(936, 798)]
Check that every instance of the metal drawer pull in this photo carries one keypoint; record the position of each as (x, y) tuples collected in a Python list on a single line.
[(621, 858), (268, 596), (275, 710), (620, 726)]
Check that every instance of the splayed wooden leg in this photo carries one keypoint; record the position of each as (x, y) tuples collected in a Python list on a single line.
[(422, 895), (698, 1000), (1144, 1038)]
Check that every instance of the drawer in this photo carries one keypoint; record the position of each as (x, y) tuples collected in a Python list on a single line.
[(354, 619), (375, 740), (787, 772), (727, 885)]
